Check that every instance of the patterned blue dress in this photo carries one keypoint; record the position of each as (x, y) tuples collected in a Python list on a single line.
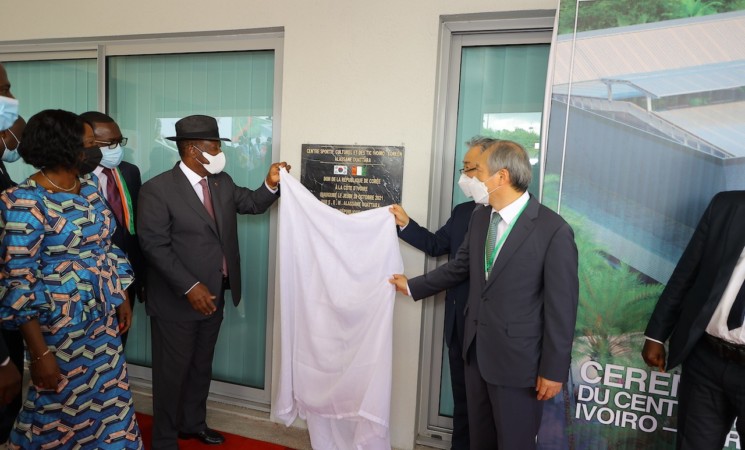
[(61, 268)]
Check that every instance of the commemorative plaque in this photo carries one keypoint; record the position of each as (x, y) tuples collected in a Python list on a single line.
[(353, 178)]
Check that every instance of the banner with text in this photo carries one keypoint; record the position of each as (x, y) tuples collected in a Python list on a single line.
[(646, 124)]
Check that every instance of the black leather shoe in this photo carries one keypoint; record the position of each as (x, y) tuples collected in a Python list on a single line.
[(207, 436)]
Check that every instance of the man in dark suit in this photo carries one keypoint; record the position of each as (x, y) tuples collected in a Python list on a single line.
[(120, 185), (447, 240), (11, 341), (188, 232), (519, 322), (701, 313)]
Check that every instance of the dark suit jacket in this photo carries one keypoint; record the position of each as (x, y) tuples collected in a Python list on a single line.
[(688, 302), (3, 350), (122, 237), (5, 183), (183, 245), (522, 318), (446, 240)]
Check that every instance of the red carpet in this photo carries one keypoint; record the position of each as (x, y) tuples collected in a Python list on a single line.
[(232, 442)]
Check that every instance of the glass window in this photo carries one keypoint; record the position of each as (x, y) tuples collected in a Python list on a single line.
[(60, 84), (147, 95), (493, 81), (501, 95)]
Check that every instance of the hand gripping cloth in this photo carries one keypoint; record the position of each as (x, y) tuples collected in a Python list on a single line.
[(336, 320)]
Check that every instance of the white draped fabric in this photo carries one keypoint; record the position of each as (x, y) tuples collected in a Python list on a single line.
[(336, 320)]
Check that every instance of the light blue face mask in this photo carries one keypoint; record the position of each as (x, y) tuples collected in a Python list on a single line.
[(111, 156), (10, 154), (8, 112)]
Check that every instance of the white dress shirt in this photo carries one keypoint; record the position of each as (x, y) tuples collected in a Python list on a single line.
[(194, 180), (718, 323), (103, 180)]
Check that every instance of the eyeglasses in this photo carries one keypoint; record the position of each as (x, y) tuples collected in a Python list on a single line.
[(465, 171), (112, 144)]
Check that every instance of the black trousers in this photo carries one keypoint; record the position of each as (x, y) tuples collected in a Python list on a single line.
[(14, 341), (500, 417), (711, 395), (461, 438), (182, 372)]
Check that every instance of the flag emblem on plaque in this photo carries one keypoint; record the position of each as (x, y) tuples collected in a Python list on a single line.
[(340, 170), (359, 170)]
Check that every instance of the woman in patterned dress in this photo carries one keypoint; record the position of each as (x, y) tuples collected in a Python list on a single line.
[(63, 284)]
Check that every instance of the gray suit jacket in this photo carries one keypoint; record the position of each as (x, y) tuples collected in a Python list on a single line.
[(522, 318), (183, 245)]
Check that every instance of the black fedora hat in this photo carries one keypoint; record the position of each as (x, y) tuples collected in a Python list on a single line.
[(198, 128)]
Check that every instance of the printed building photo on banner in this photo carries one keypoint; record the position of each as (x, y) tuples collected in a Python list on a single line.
[(646, 125)]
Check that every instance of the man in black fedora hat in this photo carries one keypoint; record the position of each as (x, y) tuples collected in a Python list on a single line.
[(187, 228)]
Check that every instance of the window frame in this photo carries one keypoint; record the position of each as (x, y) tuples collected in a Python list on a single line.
[(271, 39), (456, 32)]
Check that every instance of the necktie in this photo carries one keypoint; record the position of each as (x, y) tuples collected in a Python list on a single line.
[(207, 200), (491, 238), (113, 197), (737, 313)]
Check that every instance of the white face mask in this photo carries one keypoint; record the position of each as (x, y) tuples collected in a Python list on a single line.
[(112, 157), (480, 191), (465, 185), (8, 112), (216, 162), (10, 154)]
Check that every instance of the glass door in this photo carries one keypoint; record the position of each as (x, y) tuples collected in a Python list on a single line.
[(69, 84), (495, 85), (146, 85), (147, 94)]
